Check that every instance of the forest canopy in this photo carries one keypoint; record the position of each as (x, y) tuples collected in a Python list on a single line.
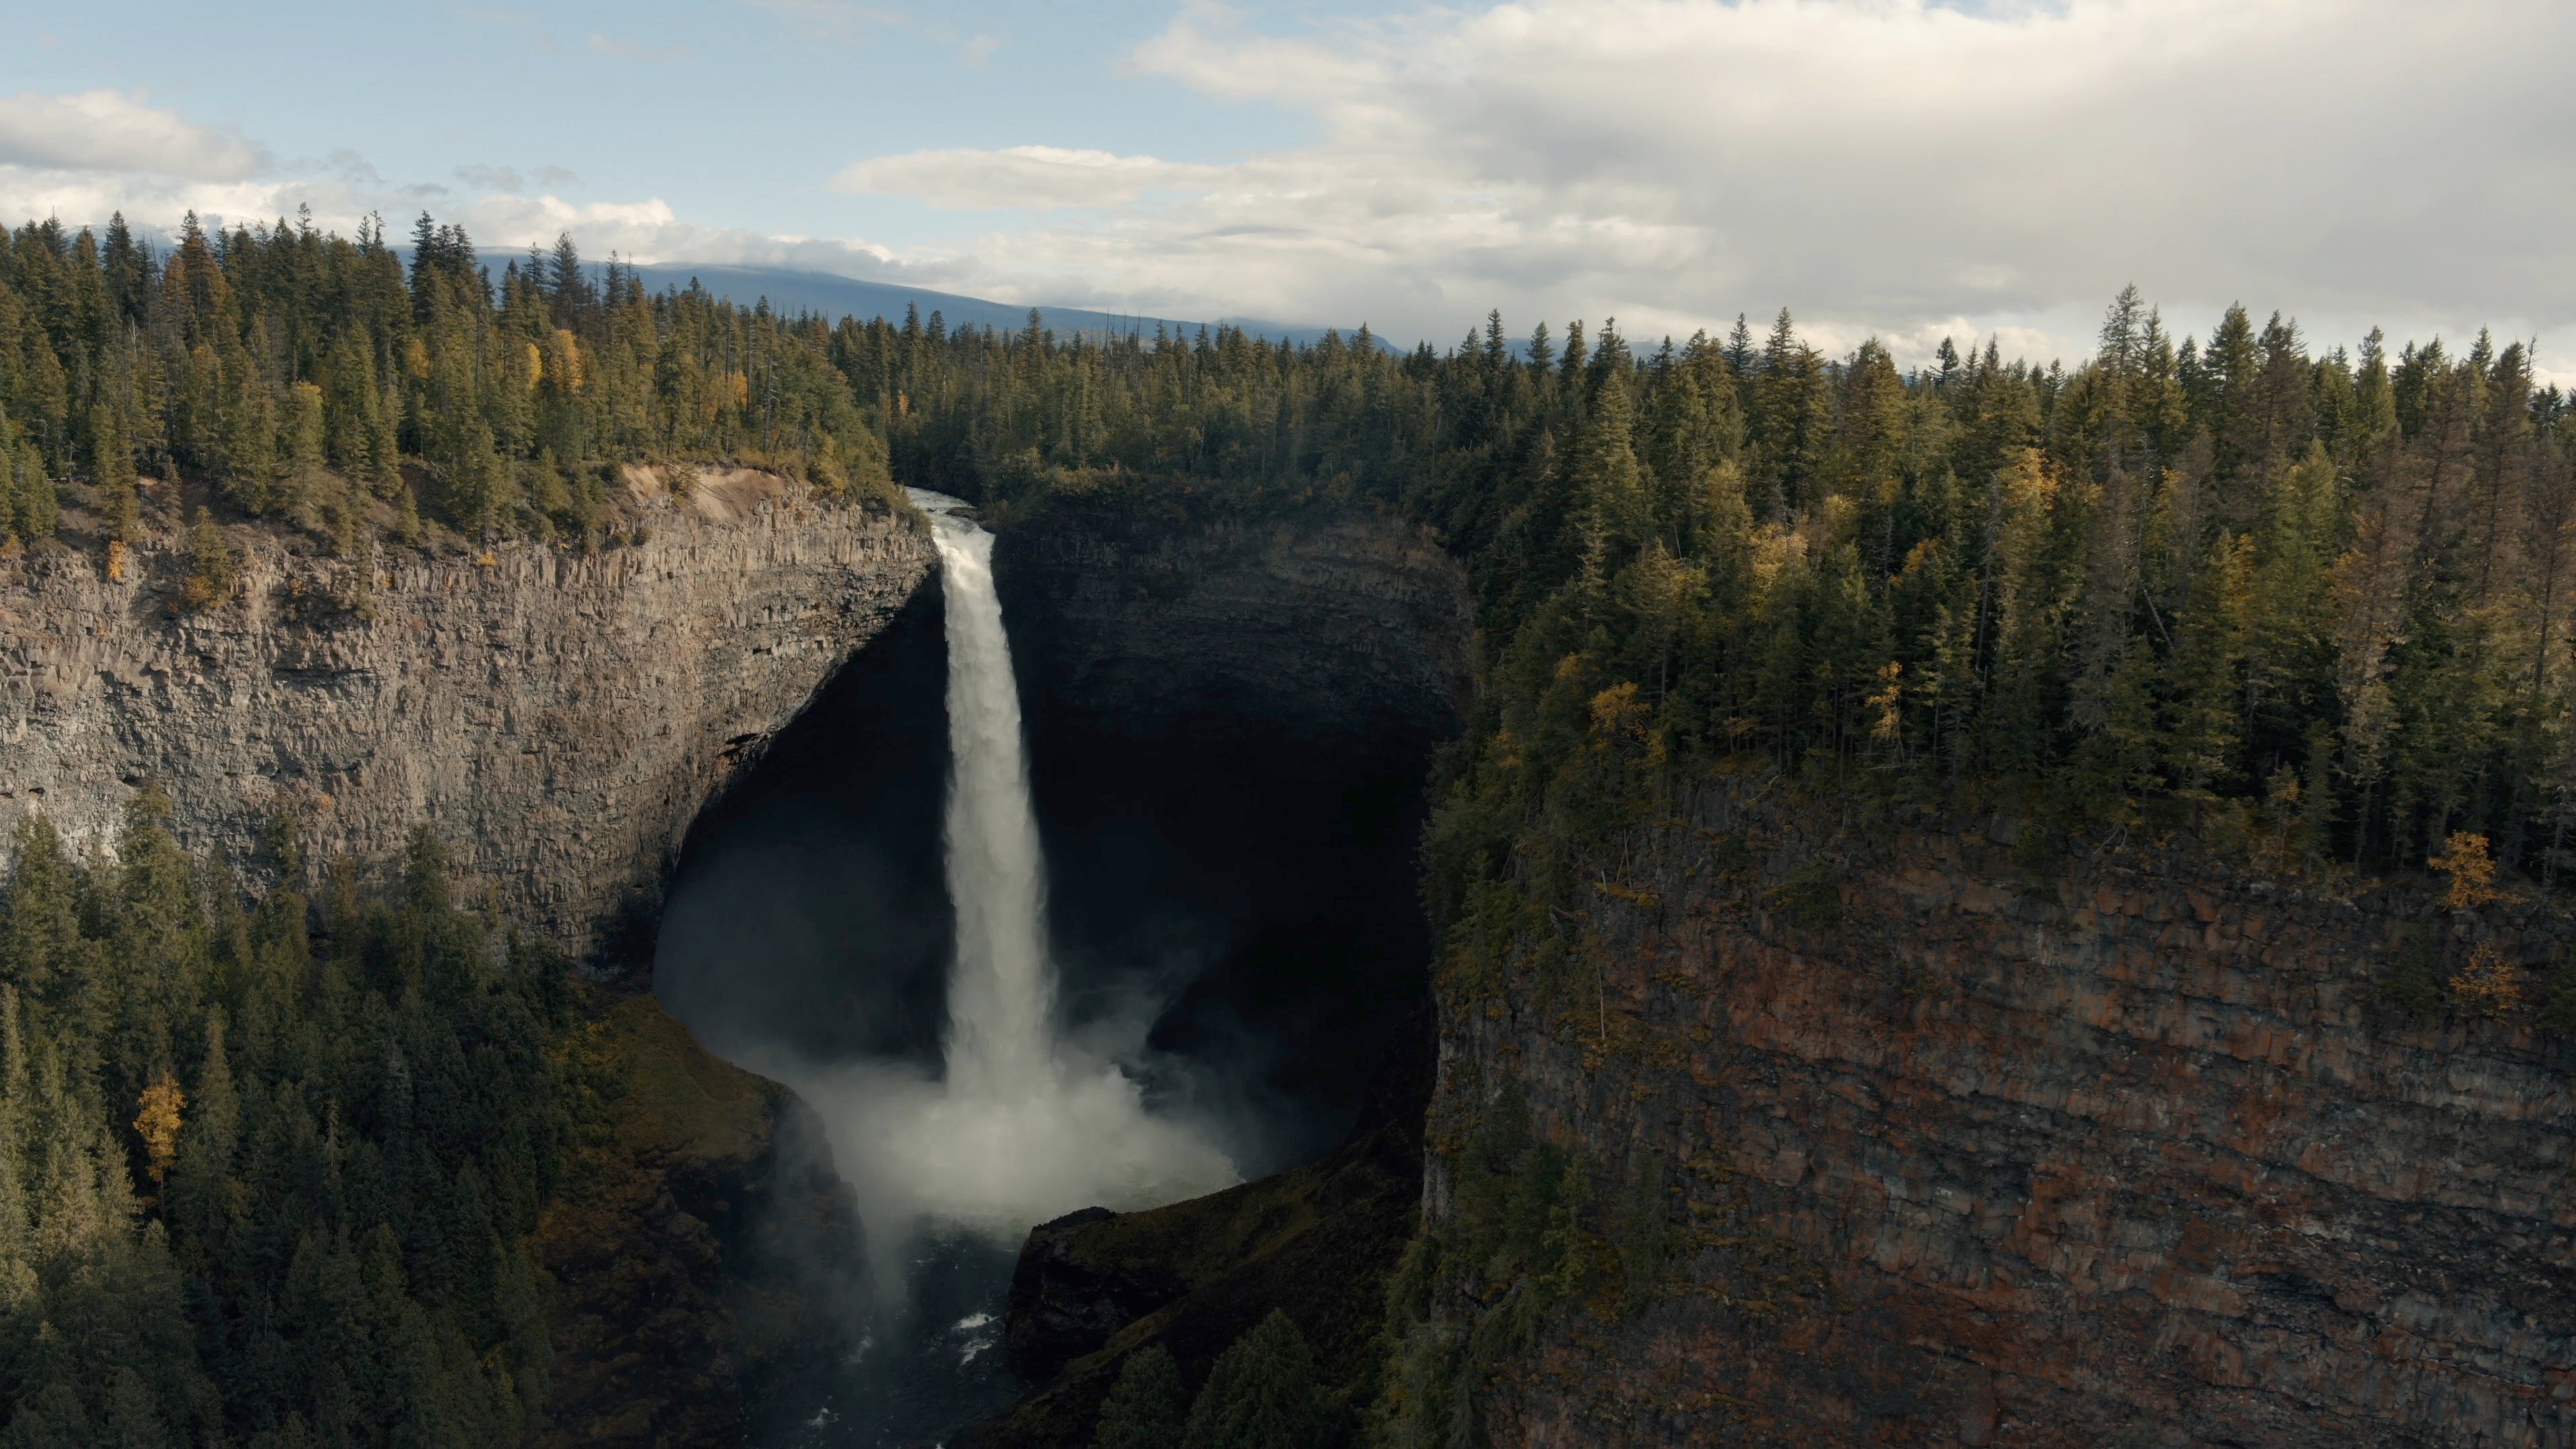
[(256, 1192), (2334, 586), (339, 385)]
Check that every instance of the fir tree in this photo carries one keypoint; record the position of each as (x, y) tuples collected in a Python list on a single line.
[(1262, 1394), (1149, 1408)]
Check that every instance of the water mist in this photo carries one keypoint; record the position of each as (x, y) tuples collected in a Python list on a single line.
[(1024, 1124)]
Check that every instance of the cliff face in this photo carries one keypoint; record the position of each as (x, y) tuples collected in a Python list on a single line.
[(1974, 1145), (558, 717), (1334, 625), (703, 1254), (1230, 720), (1264, 694)]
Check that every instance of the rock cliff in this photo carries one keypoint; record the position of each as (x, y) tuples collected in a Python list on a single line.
[(1968, 1141), (1315, 1242), (558, 716), (704, 1258), (1324, 625)]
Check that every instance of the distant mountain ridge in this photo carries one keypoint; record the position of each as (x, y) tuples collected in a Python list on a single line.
[(830, 295)]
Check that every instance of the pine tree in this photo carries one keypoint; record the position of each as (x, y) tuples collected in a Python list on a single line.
[(1262, 1394), (1149, 1408)]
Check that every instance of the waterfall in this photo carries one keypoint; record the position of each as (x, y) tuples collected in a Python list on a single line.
[(1001, 991), (1022, 1125)]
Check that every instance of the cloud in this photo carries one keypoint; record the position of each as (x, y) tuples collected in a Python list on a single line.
[(1889, 166), (351, 167), (979, 50), (509, 180), (1042, 177), (1894, 167), (651, 231), (492, 178), (840, 21), (619, 48), (107, 131)]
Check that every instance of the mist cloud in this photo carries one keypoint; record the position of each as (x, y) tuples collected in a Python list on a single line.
[(1023, 176)]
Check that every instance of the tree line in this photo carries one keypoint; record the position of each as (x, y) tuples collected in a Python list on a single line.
[(338, 386), (2333, 588)]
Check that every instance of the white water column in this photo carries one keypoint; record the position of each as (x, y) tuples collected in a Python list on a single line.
[(1001, 992)]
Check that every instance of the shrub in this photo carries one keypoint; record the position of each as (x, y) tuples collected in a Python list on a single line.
[(213, 569)]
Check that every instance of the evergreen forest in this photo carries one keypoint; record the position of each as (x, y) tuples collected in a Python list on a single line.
[(2334, 588), (259, 1191), (337, 387)]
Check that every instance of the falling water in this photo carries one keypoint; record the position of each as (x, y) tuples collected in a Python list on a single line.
[(1000, 990), (1023, 1124)]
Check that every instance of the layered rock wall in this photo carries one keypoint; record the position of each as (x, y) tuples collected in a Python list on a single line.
[(1970, 1144), (1334, 624), (558, 716)]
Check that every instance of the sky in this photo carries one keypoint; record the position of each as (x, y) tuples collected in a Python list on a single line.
[(1894, 168)]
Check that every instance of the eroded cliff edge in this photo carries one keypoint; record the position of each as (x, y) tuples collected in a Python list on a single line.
[(558, 716), (1325, 623), (1969, 1141)]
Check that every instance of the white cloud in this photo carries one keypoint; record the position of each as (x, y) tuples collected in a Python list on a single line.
[(492, 178), (107, 131), (1881, 166), (1885, 166), (1038, 177)]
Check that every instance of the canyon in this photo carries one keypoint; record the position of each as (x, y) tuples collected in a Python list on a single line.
[(1963, 1134)]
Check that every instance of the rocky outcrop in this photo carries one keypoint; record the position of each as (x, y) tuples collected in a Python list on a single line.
[(558, 716), (1322, 623), (1315, 1242), (701, 1254), (1972, 1142), (1067, 1298)]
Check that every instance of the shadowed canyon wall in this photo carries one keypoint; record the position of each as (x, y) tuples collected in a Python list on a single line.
[(1230, 721), (1229, 726), (1974, 1144), (559, 717)]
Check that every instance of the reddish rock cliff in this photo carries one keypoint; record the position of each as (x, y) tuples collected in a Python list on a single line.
[(1977, 1145)]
